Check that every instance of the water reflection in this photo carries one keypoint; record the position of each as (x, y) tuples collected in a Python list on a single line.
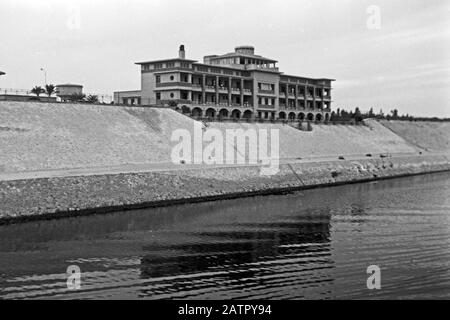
[(311, 244)]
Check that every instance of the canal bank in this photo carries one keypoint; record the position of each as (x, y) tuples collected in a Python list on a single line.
[(45, 198), (69, 159)]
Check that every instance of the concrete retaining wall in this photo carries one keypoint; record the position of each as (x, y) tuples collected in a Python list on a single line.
[(58, 197)]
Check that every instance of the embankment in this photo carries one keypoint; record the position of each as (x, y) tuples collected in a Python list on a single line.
[(64, 196), (46, 136), (35, 137), (427, 135)]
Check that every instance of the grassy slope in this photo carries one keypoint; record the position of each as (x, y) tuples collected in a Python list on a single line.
[(43, 136), (432, 136)]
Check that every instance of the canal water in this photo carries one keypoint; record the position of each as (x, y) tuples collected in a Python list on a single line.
[(314, 244)]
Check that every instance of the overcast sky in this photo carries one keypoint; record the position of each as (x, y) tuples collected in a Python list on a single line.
[(404, 64)]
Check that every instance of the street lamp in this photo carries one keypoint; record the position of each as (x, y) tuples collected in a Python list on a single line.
[(45, 75)]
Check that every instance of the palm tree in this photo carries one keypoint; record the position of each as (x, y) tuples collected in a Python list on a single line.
[(92, 99), (37, 91), (49, 89), (77, 97)]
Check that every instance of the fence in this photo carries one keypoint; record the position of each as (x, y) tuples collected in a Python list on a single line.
[(282, 121), (102, 98)]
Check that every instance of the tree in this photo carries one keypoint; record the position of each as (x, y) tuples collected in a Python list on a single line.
[(37, 91), (92, 99), (49, 89), (357, 115), (394, 114), (77, 97), (371, 113)]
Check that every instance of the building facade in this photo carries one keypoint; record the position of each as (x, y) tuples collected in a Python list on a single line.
[(240, 84), (66, 91)]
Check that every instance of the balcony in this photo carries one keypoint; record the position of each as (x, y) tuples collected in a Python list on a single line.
[(196, 86), (266, 91), (210, 87), (173, 84), (236, 90), (266, 106), (248, 91), (327, 97), (260, 67)]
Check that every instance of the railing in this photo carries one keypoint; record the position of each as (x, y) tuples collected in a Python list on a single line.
[(255, 66), (173, 84), (266, 106), (266, 91), (247, 91), (299, 123), (102, 97)]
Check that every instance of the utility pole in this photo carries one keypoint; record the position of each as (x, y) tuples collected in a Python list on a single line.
[(45, 75)]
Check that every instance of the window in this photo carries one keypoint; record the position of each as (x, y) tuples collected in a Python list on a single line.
[(158, 96), (202, 69), (171, 78), (158, 79), (170, 65), (158, 66), (172, 95)]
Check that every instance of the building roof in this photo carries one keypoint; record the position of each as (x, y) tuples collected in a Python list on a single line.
[(166, 60), (69, 85), (307, 78), (244, 55)]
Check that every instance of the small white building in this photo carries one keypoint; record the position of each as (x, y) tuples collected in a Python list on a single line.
[(66, 91)]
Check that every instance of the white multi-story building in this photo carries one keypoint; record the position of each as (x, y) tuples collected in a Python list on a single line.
[(240, 84)]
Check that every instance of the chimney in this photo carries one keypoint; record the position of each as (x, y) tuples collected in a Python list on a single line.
[(182, 53)]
